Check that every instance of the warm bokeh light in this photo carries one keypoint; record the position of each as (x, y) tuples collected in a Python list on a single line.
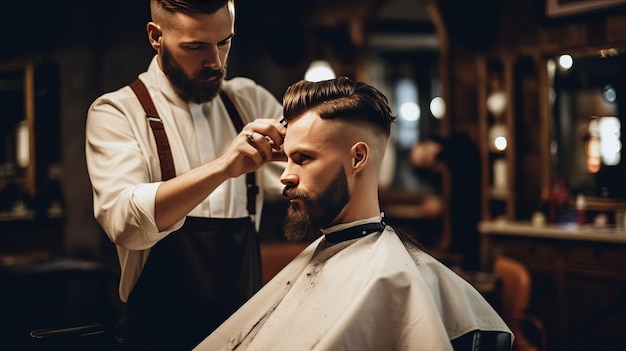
[(22, 147), (500, 143), (609, 129), (498, 137), (409, 111), (319, 70), (438, 107), (496, 103), (604, 145), (566, 62), (593, 155)]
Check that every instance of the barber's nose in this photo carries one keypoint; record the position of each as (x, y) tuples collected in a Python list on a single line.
[(212, 59)]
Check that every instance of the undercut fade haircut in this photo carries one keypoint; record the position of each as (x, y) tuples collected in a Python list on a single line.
[(339, 99), (192, 6)]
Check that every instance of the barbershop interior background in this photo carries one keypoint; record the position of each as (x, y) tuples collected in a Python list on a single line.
[(550, 170)]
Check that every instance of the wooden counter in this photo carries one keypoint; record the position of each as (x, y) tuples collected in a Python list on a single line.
[(578, 279), (554, 231)]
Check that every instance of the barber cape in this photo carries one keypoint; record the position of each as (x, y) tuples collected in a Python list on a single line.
[(370, 293)]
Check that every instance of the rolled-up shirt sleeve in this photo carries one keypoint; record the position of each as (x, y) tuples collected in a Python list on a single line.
[(143, 197), (122, 175)]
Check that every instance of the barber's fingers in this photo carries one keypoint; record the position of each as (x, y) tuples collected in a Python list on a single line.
[(259, 142), (272, 130), (241, 157), (262, 143)]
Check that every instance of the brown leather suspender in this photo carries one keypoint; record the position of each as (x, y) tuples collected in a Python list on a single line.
[(163, 146), (251, 186)]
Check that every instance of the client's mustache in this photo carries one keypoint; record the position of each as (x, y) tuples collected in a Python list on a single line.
[(290, 192)]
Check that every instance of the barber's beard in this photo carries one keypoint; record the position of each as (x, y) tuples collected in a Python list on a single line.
[(197, 88), (317, 213)]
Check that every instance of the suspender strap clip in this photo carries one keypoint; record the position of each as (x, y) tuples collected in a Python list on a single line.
[(156, 124), (253, 190)]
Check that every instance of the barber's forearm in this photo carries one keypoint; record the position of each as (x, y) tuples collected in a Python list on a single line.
[(176, 197)]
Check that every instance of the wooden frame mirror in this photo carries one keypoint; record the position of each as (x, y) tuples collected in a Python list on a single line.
[(406, 46), (29, 126), (583, 116), (17, 93)]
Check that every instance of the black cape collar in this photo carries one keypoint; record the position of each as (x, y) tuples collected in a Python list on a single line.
[(354, 232)]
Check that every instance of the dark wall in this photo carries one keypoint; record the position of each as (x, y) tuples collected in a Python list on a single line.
[(99, 47)]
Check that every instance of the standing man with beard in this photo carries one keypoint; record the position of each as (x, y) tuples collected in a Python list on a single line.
[(361, 285), (171, 160)]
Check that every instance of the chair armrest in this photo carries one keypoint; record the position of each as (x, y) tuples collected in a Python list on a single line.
[(479, 340), (69, 337)]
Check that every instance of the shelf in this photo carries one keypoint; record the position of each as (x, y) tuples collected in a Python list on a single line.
[(497, 135)]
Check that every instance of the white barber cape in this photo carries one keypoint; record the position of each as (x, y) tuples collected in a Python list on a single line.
[(371, 293)]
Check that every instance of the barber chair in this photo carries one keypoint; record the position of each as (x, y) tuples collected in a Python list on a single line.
[(275, 256), (479, 340), (58, 304), (514, 299)]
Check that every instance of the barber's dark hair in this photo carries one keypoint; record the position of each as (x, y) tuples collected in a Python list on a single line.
[(193, 6), (340, 99)]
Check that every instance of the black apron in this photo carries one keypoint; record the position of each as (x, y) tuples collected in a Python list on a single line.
[(197, 276)]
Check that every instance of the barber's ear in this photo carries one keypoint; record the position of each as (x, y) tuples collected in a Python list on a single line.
[(360, 152), (154, 35)]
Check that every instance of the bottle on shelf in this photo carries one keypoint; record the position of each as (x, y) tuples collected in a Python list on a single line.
[(581, 209)]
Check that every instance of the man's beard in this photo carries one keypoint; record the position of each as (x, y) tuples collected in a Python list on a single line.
[(196, 88), (320, 212)]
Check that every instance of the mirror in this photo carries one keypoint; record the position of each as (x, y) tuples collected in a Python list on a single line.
[(406, 57), (17, 183), (586, 101), (29, 133), (403, 61)]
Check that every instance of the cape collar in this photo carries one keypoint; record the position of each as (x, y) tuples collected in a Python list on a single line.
[(353, 230)]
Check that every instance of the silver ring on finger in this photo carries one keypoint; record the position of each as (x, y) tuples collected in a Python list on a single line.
[(250, 137)]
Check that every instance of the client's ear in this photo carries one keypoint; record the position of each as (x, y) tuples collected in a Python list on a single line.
[(360, 153)]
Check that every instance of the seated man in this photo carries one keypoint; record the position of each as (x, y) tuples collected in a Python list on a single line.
[(361, 285)]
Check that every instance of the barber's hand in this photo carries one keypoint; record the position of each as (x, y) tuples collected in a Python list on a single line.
[(259, 142)]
